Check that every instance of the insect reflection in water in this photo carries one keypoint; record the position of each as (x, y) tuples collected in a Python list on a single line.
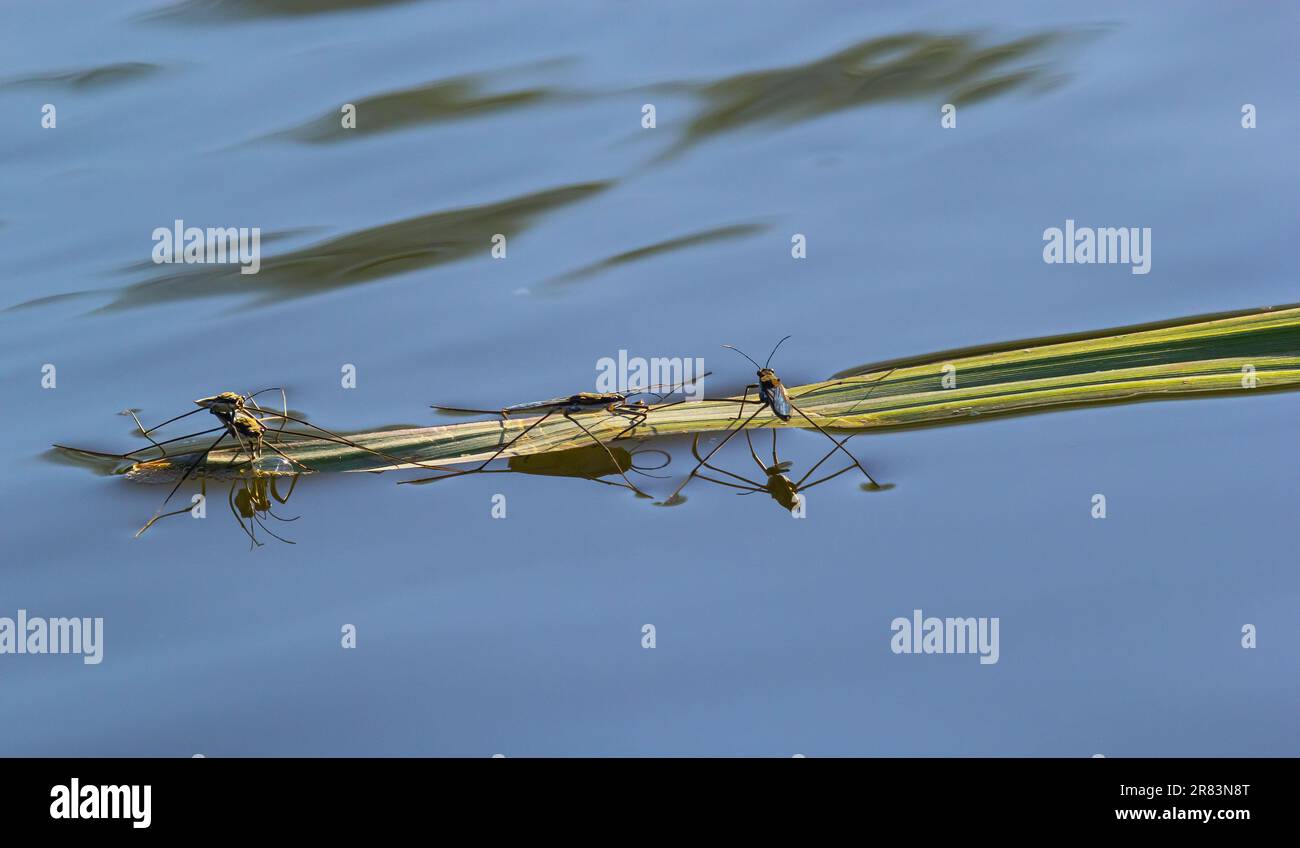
[(615, 404), (772, 396), (786, 492), (590, 462), (242, 419), (251, 500)]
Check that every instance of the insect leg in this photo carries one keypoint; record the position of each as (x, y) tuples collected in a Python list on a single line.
[(185, 476), (741, 411), (695, 450), (169, 420), (284, 402), (838, 445), (484, 464), (275, 493), (230, 498), (819, 462), (159, 517), (804, 488), (336, 438), (262, 524), (749, 490), (608, 453), (171, 441), (191, 467), (275, 489), (749, 441), (672, 498), (638, 418), (145, 433)]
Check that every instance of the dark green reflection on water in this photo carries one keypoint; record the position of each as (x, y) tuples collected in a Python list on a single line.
[(435, 102), (591, 461), (961, 68), (360, 257), (951, 68), (219, 10), (89, 78), (656, 249)]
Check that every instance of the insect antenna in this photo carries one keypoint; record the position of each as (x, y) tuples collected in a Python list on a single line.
[(773, 353), (146, 433), (264, 391), (284, 402), (746, 355)]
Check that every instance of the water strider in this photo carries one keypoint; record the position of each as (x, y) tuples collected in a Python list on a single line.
[(613, 403), (772, 395), (239, 419), (230, 408)]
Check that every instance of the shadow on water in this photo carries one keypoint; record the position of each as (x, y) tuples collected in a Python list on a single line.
[(953, 68)]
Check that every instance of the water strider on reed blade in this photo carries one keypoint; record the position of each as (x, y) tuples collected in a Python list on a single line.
[(1241, 353), (241, 418), (772, 395), (613, 403)]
